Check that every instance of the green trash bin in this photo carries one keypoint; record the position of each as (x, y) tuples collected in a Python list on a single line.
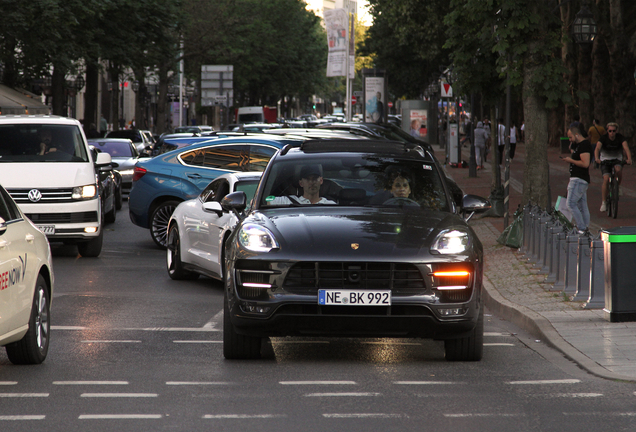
[(619, 247), (565, 145)]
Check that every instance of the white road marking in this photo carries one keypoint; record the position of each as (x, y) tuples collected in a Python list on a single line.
[(22, 417), (118, 416), (90, 382), (317, 382), (111, 341), (562, 381), (214, 320), (365, 415), (493, 334), (197, 342), (342, 394), (118, 395), (197, 383), (23, 395), (577, 395), (424, 382), (145, 329), (482, 415), (499, 344), (8, 383), (243, 416)]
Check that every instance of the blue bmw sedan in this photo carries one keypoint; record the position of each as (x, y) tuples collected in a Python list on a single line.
[(161, 183)]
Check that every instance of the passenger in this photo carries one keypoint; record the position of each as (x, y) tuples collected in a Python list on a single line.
[(310, 181), (400, 185)]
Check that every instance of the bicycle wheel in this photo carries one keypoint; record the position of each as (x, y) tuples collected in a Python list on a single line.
[(614, 196)]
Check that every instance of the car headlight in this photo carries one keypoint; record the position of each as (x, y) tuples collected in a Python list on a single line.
[(257, 238), (84, 192), (451, 242)]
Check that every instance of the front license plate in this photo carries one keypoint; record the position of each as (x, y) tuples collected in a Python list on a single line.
[(47, 229), (354, 297)]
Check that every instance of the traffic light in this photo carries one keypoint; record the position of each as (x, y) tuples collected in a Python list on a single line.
[(314, 106)]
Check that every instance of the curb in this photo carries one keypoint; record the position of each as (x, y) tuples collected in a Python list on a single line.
[(540, 327)]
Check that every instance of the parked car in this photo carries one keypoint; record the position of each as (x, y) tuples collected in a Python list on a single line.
[(109, 188), (142, 140), (384, 253), (161, 183), (49, 170), (124, 156), (26, 285), (198, 228), (188, 129)]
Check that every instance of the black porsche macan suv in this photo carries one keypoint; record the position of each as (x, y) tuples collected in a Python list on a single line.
[(383, 251)]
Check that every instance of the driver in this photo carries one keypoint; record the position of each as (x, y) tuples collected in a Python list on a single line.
[(400, 186), (310, 181)]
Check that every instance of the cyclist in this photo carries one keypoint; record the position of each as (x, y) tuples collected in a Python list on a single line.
[(610, 148)]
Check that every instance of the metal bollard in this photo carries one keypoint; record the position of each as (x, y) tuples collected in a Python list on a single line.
[(543, 229), (526, 224), (583, 269), (536, 236), (559, 283), (534, 215), (571, 262), (597, 275), (558, 235), (546, 255)]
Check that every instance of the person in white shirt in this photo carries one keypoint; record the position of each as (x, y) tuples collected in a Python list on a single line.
[(310, 181), (501, 139)]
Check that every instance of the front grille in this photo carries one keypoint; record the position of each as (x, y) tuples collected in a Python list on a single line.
[(21, 196), (400, 278), (54, 218)]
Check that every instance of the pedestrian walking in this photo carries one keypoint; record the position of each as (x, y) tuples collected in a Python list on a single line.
[(581, 155), (501, 139), (481, 136), (513, 141)]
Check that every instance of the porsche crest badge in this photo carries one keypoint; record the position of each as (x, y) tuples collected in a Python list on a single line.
[(355, 246)]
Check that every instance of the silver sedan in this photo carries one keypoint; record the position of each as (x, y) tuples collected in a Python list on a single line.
[(124, 155), (198, 229)]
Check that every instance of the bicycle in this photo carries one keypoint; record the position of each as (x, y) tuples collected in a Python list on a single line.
[(612, 190)]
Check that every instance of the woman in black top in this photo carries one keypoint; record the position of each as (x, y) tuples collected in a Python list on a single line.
[(579, 162)]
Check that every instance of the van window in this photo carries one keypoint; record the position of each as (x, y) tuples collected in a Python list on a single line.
[(251, 118), (41, 143)]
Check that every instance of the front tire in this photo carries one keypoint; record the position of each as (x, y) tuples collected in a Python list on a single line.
[(93, 247), (237, 346), (173, 257), (469, 348), (34, 346), (159, 222), (614, 201)]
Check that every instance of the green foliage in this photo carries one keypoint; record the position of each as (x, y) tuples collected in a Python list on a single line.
[(500, 35)]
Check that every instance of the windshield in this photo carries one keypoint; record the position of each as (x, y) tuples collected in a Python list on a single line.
[(135, 136), (41, 143), (354, 180), (115, 149)]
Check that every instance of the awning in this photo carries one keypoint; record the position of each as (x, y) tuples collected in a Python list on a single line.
[(20, 102)]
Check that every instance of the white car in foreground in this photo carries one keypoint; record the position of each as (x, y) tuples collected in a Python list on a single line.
[(198, 228), (26, 286)]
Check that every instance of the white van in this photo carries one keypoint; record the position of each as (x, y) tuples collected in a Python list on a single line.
[(50, 172)]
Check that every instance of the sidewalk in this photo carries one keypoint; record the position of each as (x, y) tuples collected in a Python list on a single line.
[(516, 292)]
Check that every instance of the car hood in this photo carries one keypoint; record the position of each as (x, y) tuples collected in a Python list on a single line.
[(355, 233), (46, 174)]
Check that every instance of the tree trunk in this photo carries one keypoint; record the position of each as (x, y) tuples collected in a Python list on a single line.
[(622, 63), (90, 106), (58, 89), (601, 86), (162, 123), (586, 105), (536, 188)]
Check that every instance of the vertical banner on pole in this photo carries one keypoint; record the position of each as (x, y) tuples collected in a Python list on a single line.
[(336, 22)]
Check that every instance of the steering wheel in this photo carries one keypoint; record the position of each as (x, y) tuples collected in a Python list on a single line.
[(399, 201)]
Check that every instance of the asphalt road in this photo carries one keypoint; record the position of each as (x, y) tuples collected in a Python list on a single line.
[(132, 350)]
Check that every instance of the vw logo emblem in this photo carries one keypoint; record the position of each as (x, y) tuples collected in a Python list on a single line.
[(35, 195)]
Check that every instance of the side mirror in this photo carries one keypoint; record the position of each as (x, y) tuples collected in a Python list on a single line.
[(235, 202), (213, 206), (3, 226), (114, 164), (103, 159), (474, 204)]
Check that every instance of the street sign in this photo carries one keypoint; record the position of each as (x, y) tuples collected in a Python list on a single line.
[(390, 104), (357, 94), (447, 90), (217, 85), (353, 100)]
